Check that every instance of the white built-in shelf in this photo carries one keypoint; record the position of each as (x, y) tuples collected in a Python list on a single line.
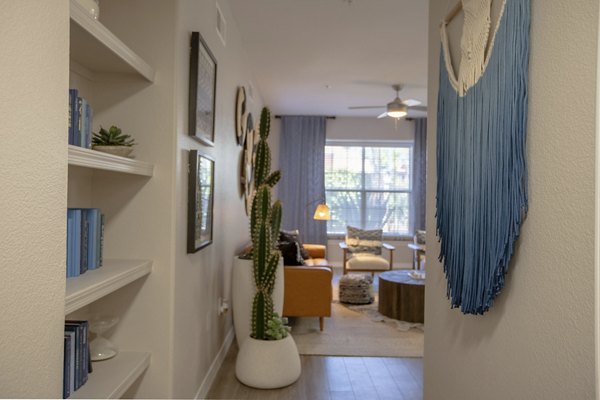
[(111, 378), (97, 160), (96, 50), (97, 283)]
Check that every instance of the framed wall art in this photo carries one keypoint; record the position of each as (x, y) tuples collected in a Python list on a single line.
[(200, 201), (202, 91)]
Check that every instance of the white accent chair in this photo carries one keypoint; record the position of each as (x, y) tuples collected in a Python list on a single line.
[(366, 262)]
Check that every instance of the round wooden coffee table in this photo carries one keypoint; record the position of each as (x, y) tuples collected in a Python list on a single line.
[(401, 297)]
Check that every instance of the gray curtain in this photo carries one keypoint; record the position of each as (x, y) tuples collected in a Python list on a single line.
[(302, 185), (420, 172)]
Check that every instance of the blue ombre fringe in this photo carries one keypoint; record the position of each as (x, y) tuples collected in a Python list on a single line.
[(481, 167)]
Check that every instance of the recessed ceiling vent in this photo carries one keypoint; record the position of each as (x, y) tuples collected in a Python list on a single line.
[(221, 25)]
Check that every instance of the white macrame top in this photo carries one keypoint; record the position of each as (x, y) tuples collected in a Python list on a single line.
[(473, 45)]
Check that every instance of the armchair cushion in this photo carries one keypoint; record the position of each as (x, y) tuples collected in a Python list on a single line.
[(367, 262), (364, 241)]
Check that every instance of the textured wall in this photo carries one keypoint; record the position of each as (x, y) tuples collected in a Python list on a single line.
[(33, 155), (537, 342)]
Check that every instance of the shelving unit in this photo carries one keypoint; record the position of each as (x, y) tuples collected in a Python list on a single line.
[(95, 284), (111, 378), (82, 157), (95, 49), (95, 52)]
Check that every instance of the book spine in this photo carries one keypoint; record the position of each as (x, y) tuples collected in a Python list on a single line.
[(102, 223), (73, 93), (66, 368), (92, 223), (88, 125), (73, 327), (78, 126), (76, 242), (84, 241), (69, 242)]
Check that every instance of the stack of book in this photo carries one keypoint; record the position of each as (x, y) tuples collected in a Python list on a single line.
[(85, 239), (77, 363), (80, 120)]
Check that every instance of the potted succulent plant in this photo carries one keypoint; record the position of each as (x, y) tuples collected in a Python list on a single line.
[(268, 358), (113, 141)]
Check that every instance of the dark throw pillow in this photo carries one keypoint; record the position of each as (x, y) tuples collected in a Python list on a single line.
[(290, 251), (294, 236)]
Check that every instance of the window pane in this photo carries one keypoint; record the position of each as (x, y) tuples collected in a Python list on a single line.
[(388, 211), (388, 168), (343, 167), (345, 210)]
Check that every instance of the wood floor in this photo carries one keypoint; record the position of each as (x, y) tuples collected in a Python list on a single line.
[(332, 378)]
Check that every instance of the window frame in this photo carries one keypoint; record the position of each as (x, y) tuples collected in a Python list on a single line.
[(363, 191)]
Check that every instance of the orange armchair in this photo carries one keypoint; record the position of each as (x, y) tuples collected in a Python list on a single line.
[(307, 288)]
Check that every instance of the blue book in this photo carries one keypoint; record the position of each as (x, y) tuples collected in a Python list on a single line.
[(71, 334), (66, 369), (77, 123), (69, 242), (78, 336), (102, 221), (76, 241), (73, 93), (83, 347), (93, 241), (83, 267), (84, 122), (88, 126)]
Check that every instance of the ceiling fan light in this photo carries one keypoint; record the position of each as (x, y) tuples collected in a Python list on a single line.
[(396, 114), (396, 109)]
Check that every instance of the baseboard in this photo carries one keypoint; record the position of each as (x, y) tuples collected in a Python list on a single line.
[(215, 366)]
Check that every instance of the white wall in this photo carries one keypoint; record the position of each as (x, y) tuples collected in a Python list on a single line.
[(362, 129), (537, 342), (33, 198), (201, 278)]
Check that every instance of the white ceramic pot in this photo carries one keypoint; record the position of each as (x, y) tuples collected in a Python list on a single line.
[(243, 293), (122, 151), (268, 364)]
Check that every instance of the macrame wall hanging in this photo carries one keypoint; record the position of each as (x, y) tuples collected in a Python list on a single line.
[(482, 176)]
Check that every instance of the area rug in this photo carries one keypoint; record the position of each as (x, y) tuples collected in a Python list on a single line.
[(357, 331)]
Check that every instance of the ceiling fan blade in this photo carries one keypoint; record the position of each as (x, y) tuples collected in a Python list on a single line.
[(411, 102), (382, 115), (418, 108), (364, 107)]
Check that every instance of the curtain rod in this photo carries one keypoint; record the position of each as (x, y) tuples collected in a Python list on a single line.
[(327, 117)]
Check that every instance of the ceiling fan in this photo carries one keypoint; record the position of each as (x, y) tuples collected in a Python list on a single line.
[(397, 108)]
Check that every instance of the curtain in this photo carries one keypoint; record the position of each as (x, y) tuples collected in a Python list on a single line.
[(302, 185), (420, 172)]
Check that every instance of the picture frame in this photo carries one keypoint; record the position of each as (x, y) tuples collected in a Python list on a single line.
[(202, 91), (200, 201)]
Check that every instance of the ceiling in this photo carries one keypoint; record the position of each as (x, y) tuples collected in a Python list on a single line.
[(318, 57)]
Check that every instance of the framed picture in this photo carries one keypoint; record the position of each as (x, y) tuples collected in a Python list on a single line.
[(200, 201), (202, 91)]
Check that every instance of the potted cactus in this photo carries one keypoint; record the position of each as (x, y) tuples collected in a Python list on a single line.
[(268, 358), (113, 141)]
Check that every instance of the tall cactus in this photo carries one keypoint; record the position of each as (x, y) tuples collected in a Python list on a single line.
[(265, 220)]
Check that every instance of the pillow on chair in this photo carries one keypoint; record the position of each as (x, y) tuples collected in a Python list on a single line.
[(364, 241), (294, 236)]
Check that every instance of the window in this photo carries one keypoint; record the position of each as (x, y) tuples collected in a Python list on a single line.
[(369, 186)]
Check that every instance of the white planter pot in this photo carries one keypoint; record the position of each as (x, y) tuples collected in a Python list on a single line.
[(243, 293), (268, 364)]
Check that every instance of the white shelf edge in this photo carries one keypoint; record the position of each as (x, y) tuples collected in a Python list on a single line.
[(81, 17), (97, 160), (111, 378), (97, 283)]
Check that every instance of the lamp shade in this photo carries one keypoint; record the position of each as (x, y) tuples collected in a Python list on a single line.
[(322, 213)]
